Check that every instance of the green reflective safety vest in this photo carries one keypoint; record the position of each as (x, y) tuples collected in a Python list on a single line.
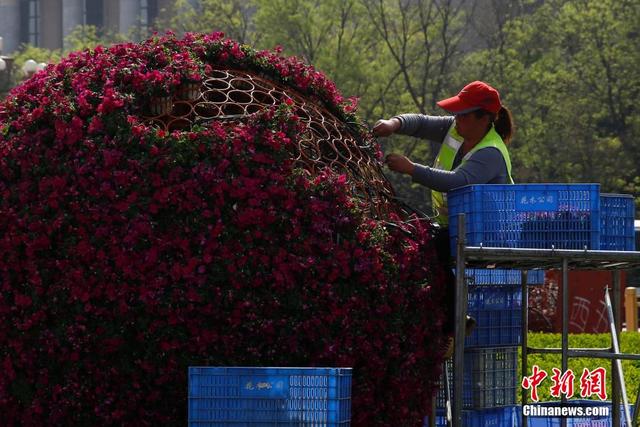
[(447, 154)]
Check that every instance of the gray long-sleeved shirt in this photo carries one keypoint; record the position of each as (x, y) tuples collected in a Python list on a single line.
[(485, 166)]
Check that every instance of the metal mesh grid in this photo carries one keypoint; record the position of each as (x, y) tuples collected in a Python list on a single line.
[(328, 142)]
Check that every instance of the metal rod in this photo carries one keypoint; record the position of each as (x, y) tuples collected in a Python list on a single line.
[(539, 258), (447, 388), (525, 330), (491, 252), (432, 416), (460, 315), (597, 353), (565, 327), (636, 410), (604, 355), (554, 350), (614, 321), (615, 386)]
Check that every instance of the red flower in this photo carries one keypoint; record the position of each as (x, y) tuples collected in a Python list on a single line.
[(22, 300)]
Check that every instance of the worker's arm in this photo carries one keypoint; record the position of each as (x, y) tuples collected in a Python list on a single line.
[(483, 167), (432, 128)]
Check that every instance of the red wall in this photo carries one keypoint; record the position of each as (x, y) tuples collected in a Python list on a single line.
[(587, 311)]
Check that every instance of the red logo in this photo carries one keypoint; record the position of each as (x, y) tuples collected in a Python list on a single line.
[(591, 382), (534, 381)]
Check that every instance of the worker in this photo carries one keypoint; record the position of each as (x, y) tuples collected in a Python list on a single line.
[(473, 150)]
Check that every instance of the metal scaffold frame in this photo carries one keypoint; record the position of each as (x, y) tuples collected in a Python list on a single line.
[(524, 259)]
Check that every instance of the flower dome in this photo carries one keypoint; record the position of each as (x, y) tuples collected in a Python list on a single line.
[(193, 202)]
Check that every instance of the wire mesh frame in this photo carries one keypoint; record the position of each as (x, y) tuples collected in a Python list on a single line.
[(227, 94)]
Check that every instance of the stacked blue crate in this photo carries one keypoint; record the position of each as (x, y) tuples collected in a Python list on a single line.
[(508, 416), (561, 216), (582, 421), (497, 310), (497, 276), (495, 301), (252, 397), (489, 378), (491, 352), (564, 216), (616, 219)]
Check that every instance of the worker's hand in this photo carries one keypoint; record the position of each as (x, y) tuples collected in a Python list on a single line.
[(386, 127), (399, 163)]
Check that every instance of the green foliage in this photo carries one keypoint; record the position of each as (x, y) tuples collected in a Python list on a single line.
[(38, 54), (232, 17), (335, 36), (89, 36), (629, 343), (81, 37)]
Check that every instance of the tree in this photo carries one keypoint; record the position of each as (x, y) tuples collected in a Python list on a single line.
[(573, 89), (335, 36), (90, 36), (422, 43), (422, 39), (232, 17)]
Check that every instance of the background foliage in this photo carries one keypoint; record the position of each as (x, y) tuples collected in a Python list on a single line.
[(568, 69)]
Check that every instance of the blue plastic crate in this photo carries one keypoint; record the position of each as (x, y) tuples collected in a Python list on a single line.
[(497, 310), (617, 212), (251, 396), (489, 378), (495, 328), (496, 276), (508, 416), (492, 417), (565, 216), (592, 421), (494, 297)]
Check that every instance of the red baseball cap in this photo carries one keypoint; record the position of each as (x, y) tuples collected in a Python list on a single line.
[(474, 96)]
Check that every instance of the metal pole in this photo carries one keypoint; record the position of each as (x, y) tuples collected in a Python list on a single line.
[(525, 329), (636, 410), (460, 314), (614, 321), (447, 388), (565, 327), (615, 386), (432, 416)]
